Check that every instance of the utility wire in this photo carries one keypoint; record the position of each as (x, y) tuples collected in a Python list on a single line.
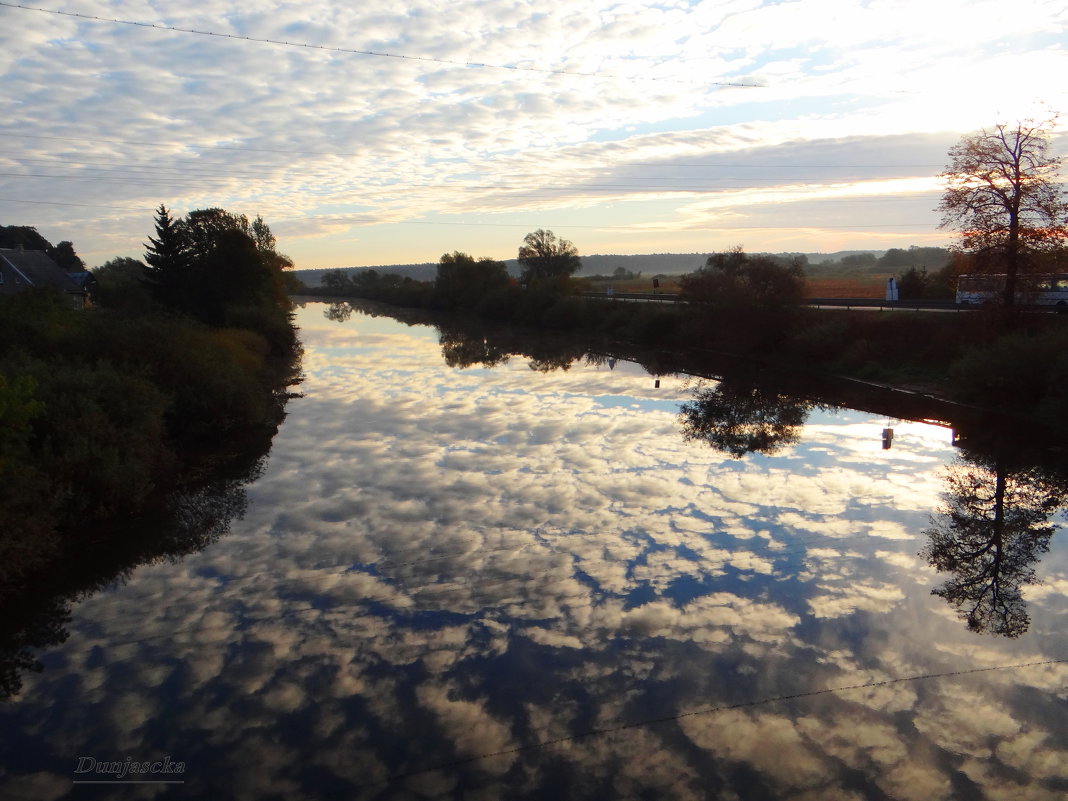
[(222, 182), (79, 205), (643, 164), (707, 711), (169, 144), (352, 51), (625, 228), (622, 180)]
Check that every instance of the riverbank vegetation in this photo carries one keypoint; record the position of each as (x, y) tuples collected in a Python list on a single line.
[(750, 306), (182, 363)]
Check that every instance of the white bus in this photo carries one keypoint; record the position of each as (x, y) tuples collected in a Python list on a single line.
[(1031, 290)]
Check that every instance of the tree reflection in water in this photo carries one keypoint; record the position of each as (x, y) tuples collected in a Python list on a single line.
[(338, 312), (35, 611), (462, 349), (737, 417), (989, 534), (464, 344)]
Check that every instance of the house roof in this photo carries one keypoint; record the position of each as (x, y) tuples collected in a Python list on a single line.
[(83, 279), (37, 269)]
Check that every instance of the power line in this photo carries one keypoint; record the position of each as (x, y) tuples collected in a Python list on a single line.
[(127, 176), (706, 711), (80, 205), (622, 180), (379, 54), (642, 164), (630, 228), (167, 144)]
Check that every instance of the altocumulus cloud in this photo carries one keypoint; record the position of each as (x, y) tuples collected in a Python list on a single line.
[(585, 105)]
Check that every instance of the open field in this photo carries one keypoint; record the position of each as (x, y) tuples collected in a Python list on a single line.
[(859, 286), (668, 285)]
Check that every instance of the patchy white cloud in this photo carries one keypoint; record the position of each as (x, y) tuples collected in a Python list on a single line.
[(399, 134)]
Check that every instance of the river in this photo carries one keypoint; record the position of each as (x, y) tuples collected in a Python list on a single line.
[(508, 579)]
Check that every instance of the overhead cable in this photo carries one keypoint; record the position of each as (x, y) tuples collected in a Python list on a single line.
[(353, 51)]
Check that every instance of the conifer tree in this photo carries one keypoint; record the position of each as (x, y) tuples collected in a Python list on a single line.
[(167, 259)]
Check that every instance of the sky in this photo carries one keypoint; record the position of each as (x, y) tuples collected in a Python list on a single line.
[(383, 133)]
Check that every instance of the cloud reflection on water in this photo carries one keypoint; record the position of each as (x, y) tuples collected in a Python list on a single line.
[(440, 564)]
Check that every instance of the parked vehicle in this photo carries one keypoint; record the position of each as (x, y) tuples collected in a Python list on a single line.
[(1031, 290)]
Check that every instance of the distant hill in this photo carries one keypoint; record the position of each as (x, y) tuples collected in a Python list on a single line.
[(420, 272), (649, 264), (676, 263)]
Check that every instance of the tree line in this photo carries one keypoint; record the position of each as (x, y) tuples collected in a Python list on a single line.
[(184, 359), (751, 304)]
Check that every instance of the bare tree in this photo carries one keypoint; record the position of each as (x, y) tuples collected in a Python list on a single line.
[(1003, 196)]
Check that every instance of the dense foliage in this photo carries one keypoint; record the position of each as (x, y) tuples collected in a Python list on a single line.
[(756, 297), (101, 409), (219, 268), (464, 283)]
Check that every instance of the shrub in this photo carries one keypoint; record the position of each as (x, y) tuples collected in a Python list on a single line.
[(1026, 373)]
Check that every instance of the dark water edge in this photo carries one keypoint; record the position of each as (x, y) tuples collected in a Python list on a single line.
[(193, 512)]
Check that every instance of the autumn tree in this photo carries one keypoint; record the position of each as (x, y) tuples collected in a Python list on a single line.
[(1004, 198), (544, 258)]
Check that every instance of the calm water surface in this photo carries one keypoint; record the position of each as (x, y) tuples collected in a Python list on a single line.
[(507, 582)]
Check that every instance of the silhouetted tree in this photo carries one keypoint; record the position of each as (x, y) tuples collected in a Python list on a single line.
[(63, 254), (463, 282), (22, 236), (912, 285), (1004, 197), (336, 282), (203, 228), (217, 267), (232, 273), (735, 279), (167, 256), (546, 259)]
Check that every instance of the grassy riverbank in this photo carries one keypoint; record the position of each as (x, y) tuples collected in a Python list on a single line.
[(101, 411)]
